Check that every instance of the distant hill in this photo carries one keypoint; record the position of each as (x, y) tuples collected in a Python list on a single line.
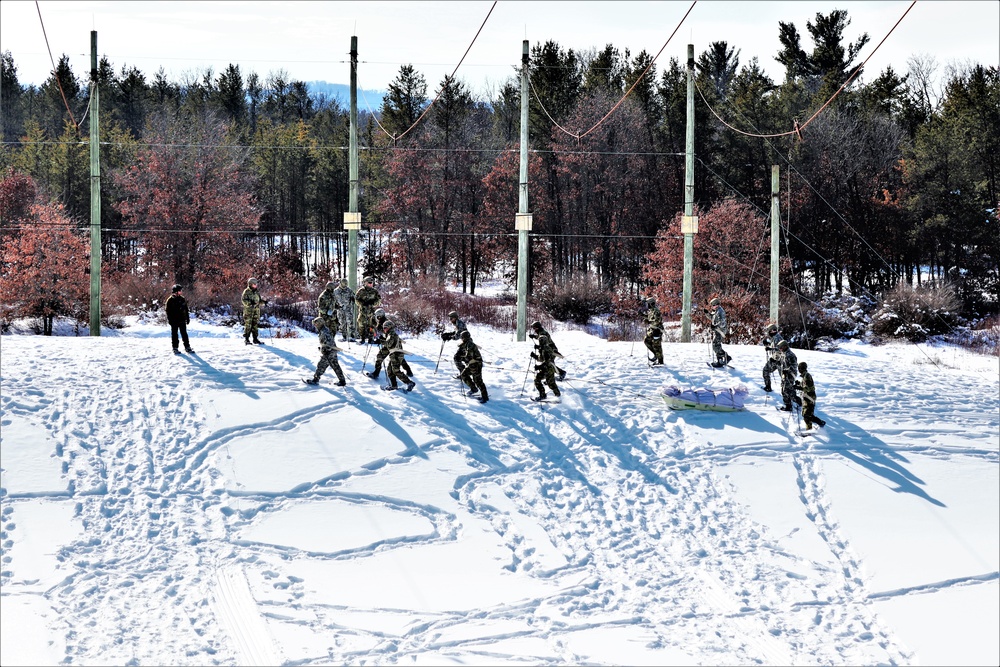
[(342, 93)]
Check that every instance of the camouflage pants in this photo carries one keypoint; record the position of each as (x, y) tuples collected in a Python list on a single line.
[(348, 324), (331, 322), (769, 368), (472, 376), (717, 344), (251, 318), (788, 389), (546, 374), (380, 358), (654, 343), (366, 324), (329, 360), (393, 369), (809, 413)]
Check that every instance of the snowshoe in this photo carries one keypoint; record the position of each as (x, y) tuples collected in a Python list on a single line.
[(312, 381), (767, 388), (783, 408), (341, 383), (472, 392), (189, 350), (389, 387), (483, 399), (246, 341), (372, 374), (176, 351), (257, 342)]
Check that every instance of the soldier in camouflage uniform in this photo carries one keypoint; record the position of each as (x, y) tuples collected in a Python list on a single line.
[(560, 373), (380, 320), (459, 325), (807, 395), (393, 346), (789, 369), (654, 332), (367, 300), (328, 348), (327, 305), (344, 297), (720, 329), (770, 343), (545, 368), (251, 311), (472, 361)]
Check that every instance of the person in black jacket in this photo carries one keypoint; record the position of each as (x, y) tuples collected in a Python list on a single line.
[(179, 318)]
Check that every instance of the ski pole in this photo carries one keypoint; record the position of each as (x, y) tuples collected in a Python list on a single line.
[(368, 348), (525, 383), (439, 357)]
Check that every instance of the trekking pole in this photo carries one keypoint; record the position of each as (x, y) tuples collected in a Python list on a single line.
[(525, 383), (368, 349), (439, 357)]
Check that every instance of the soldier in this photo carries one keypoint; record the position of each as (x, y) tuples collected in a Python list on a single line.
[(344, 298), (380, 320), (720, 328), (367, 300), (807, 395), (773, 363), (654, 332), (393, 346), (453, 335), (328, 350), (178, 317), (546, 363), (252, 301), (327, 304), (560, 373), (789, 368), (472, 372)]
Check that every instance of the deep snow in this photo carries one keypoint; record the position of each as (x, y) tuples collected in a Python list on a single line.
[(213, 509)]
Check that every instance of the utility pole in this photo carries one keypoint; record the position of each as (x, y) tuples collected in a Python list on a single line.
[(522, 221), (689, 223), (95, 194), (352, 218), (775, 259)]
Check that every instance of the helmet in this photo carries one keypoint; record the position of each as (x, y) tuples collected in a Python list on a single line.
[(318, 322), (388, 324), (772, 329), (453, 315), (252, 281), (369, 281), (175, 289), (714, 302), (343, 282), (465, 335), (783, 345), (379, 313), (802, 366), (650, 301), (536, 325), (330, 285)]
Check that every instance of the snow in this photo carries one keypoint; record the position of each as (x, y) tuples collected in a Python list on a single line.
[(213, 509)]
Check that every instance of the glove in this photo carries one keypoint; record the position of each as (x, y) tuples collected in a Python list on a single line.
[(534, 356), (539, 367), (447, 335), (798, 385), (329, 312)]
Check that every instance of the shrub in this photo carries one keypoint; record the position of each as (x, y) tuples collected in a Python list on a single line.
[(577, 300), (816, 325), (917, 313)]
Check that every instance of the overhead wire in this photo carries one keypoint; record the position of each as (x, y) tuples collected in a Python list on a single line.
[(54, 73)]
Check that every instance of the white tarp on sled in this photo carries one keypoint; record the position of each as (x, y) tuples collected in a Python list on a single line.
[(725, 400)]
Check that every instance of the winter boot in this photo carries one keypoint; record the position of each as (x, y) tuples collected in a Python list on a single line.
[(562, 374), (176, 351), (472, 392), (410, 385), (786, 408), (484, 398), (555, 392), (390, 387), (540, 397), (189, 350), (372, 374), (312, 381), (246, 341), (342, 383)]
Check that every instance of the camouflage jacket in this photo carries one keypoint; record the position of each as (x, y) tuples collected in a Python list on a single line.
[(807, 389), (344, 297), (327, 303), (368, 298), (789, 363), (770, 344), (392, 343), (251, 300), (546, 350), (469, 353), (327, 341), (719, 321), (654, 320)]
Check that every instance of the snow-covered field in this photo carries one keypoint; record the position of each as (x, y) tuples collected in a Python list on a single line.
[(213, 509)]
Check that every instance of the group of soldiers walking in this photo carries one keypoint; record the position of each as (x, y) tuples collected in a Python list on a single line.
[(358, 317)]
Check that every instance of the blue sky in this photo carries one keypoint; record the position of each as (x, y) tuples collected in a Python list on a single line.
[(310, 40)]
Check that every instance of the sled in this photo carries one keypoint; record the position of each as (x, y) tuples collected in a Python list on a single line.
[(717, 400)]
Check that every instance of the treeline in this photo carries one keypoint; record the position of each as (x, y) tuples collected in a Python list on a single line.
[(216, 175)]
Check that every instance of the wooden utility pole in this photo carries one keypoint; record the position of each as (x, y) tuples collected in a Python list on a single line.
[(522, 221), (95, 194), (775, 258), (352, 218), (689, 223)]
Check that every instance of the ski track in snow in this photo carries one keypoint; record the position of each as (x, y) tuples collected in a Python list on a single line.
[(622, 489)]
